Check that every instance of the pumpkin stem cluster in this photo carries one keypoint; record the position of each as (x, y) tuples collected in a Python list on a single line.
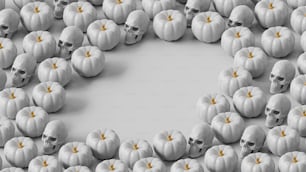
[(38, 39), (295, 160), (12, 96), (169, 138), (36, 10), (271, 6), (227, 120), (1, 46), (75, 150), (49, 90), (277, 35), (119, 1), (135, 147), (221, 153), (103, 28), (186, 167), (45, 164), (102, 137), (112, 168), (283, 133), (80, 9), (237, 35), (54, 66), (235, 74), (249, 95), (149, 166), (87, 54), (20, 145), (169, 18), (33, 115), (257, 161), (250, 55), (208, 20), (213, 101)]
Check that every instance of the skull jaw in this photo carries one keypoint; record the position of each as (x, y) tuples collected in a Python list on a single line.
[(196, 151), (231, 23), (278, 88), (189, 17), (273, 122), (246, 151), (6, 35), (18, 81), (65, 53), (132, 38), (50, 148), (58, 13)]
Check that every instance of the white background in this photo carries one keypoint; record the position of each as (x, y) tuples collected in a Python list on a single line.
[(147, 87)]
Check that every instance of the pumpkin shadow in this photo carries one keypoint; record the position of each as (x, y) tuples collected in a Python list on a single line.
[(111, 70), (73, 106)]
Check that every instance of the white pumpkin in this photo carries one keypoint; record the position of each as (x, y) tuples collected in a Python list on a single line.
[(292, 162), (183, 165), (45, 163), (88, 61), (297, 119), (149, 165), (104, 143), (31, 121), (225, 7), (257, 162), (221, 158), (301, 63), (298, 20), (41, 44), (208, 26), (3, 79), (153, 7), (112, 165), (12, 100), (210, 105), (49, 95), (282, 139), (8, 53), (78, 169), (75, 153), (170, 25), (104, 34), (170, 145), (7, 131), (250, 101), (303, 41), (12, 169), (297, 89), (118, 10), (79, 14), (55, 70), (271, 13), (278, 41), (96, 2), (296, 3), (235, 38), (253, 59), (228, 127), (19, 151), (232, 79), (36, 16), (131, 151)]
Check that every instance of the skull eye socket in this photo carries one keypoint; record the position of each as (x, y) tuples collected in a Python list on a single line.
[(60, 42), (242, 141), (21, 72), (52, 139), (195, 10), (267, 109), (44, 136), (280, 78), (135, 28), (276, 112), (190, 140), (68, 44), (126, 26), (199, 142), (272, 75), (238, 24), (13, 69), (251, 144), (186, 8), (64, 3), (4, 27)]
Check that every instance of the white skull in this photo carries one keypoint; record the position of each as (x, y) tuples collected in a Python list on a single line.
[(192, 8), (54, 136), (22, 70), (59, 6), (252, 140), (9, 22), (277, 110), (200, 139), (70, 39), (241, 15), (136, 25), (281, 76)]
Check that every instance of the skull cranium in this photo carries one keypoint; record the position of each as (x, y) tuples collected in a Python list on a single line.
[(54, 136), (281, 76), (59, 6), (9, 22), (70, 39), (136, 25), (252, 140), (200, 139), (22, 70), (241, 15), (277, 110), (193, 7)]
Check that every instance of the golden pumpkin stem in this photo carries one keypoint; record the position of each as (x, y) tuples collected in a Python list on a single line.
[(304, 113), (295, 160), (135, 147), (305, 15), (186, 167), (283, 133), (103, 28), (169, 138), (33, 115), (227, 120), (257, 161), (80, 9), (119, 1), (249, 95), (54, 66), (169, 18), (12, 96), (250, 55), (45, 164), (49, 90), (237, 35), (38, 39), (235, 74), (149, 166), (102, 137), (75, 150), (208, 20), (1, 46), (277, 35), (20, 145), (221, 153), (87, 54), (271, 6), (112, 168), (213, 101), (305, 83), (36, 10)]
